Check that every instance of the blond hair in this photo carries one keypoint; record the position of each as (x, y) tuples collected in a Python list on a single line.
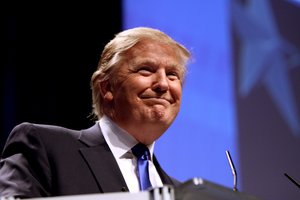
[(111, 58)]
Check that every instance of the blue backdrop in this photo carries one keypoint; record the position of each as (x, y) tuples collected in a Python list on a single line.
[(205, 128), (242, 91)]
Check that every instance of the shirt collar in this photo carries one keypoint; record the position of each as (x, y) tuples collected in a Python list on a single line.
[(119, 141)]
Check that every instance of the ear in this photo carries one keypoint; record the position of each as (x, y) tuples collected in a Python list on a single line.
[(106, 90)]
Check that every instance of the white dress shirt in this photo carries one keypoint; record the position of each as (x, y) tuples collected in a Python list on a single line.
[(120, 143)]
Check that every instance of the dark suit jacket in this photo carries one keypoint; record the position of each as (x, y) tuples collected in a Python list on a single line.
[(44, 160)]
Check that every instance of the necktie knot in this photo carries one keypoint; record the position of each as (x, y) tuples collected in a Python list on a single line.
[(141, 151)]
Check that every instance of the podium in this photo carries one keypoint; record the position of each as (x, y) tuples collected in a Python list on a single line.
[(160, 193), (193, 189), (201, 189)]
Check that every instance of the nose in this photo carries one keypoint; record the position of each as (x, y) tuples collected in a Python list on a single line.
[(161, 83)]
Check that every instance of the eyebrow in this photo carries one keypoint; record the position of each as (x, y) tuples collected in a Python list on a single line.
[(148, 61)]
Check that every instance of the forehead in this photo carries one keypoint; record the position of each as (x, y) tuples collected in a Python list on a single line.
[(151, 51), (149, 45)]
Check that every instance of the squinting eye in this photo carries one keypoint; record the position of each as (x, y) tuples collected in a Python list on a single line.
[(145, 71), (173, 75)]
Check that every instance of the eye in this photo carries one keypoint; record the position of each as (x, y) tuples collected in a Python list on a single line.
[(145, 70), (173, 75)]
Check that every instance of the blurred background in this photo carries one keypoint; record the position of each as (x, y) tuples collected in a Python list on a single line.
[(242, 91)]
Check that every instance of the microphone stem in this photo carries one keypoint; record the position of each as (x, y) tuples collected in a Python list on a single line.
[(233, 171), (292, 180)]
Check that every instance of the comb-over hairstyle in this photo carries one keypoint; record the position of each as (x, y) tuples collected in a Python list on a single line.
[(112, 56)]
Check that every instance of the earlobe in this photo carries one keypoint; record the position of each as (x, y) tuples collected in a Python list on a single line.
[(108, 96), (105, 90)]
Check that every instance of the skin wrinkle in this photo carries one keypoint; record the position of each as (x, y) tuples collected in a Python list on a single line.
[(147, 90)]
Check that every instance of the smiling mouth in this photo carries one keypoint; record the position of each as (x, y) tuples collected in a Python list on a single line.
[(157, 100)]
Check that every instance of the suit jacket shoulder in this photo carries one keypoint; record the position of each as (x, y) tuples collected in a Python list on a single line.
[(46, 160)]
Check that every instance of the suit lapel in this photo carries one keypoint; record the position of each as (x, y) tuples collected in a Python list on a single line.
[(97, 156), (163, 175), (101, 161)]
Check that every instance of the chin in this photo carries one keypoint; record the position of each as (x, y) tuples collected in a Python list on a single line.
[(158, 116), (159, 113)]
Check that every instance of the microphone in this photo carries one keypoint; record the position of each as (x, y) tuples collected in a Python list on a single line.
[(233, 170), (292, 180)]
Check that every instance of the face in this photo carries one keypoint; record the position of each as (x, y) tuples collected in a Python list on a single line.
[(146, 94)]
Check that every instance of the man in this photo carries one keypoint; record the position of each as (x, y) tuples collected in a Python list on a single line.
[(136, 96)]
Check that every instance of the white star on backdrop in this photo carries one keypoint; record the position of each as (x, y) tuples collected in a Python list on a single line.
[(266, 57)]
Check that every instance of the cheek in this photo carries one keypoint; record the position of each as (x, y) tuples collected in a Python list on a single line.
[(138, 85), (176, 91), (128, 92)]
